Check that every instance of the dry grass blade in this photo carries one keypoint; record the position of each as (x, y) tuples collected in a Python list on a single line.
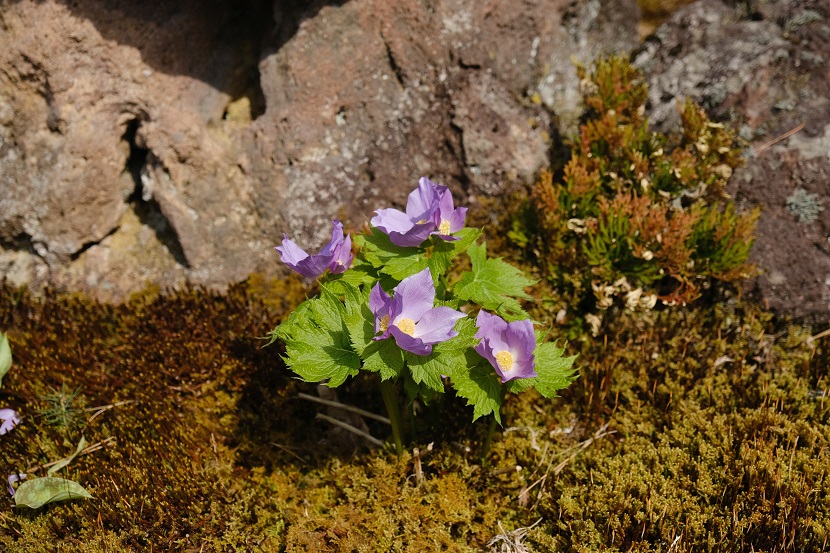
[(348, 427), (511, 542), (358, 410)]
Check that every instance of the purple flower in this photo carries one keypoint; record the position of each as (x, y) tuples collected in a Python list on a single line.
[(507, 346), (14, 478), (429, 210), (413, 227), (409, 315), (335, 256), (10, 419), (447, 219)]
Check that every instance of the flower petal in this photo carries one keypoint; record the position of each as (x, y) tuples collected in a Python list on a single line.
[(310, 266), (336, 238), (423, 201), (380, 303), (437, 325), (16, 477), (402, 231), (10, 419), (410, 343), (457, 219), (522, 368), (342, 256), (392, 220), (416, 294), (520, 339), (291, 253), (489, 324)]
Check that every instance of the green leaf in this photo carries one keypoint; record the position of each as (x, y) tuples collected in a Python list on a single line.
[(38, 492), (422, 391), (390, 259), (446, 250), (493, 284), (480, 386), (317, 343), (316, 355), (359, 320), (65, 461), (360, 273), (5, 356), (427, 369), (554, 372), (290, 324), (385, 357)]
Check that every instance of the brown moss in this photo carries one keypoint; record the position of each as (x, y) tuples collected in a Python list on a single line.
[(719, 421)]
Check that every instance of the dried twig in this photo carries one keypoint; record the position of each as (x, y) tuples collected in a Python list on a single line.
[(572, 452), (358, 410), (103, 408), (822, 334), (89, 449), (348, 427), (777, 139)]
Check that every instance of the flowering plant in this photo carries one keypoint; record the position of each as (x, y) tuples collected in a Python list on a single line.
[(393, 309)]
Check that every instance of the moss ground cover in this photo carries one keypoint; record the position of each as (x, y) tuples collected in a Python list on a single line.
[(714, 438)]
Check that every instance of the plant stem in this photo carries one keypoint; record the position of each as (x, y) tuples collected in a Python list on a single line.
[(485, 447), (390, 399)]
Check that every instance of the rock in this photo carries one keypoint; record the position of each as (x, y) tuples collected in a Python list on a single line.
[(765, 73), (173, 143)]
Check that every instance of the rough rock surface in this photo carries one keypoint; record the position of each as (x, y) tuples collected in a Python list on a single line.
[(172, 142), (765, 72)]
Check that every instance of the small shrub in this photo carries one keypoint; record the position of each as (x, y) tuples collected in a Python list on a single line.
[(645, 212)]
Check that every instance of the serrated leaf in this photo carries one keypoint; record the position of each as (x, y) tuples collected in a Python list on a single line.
[(384, 357), (290, 324), (554, 372), (65, 461), (360, 273), (360, 322), (446, 250), (480, 386), (421, 391), (466, 338), (316, 355), (493, 284), (389, 259), (38, 492), (328, 311), (5, 356), (318, 345)]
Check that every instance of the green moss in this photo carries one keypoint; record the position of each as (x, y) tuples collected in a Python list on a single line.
[(720, 436)]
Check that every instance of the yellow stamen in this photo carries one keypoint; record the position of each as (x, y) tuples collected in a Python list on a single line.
[(444, 227), (505, 360), (421, 222), (407, 326), (384, 323)]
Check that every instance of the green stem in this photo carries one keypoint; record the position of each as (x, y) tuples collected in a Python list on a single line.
[(485, 447), (390, 399)]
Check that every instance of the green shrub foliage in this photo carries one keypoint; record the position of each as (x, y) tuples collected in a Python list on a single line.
[(647, 212)]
